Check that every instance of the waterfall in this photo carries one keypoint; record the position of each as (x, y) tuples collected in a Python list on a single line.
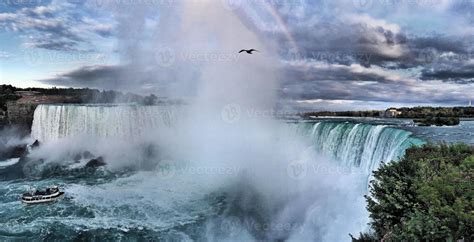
[(52, 122), (351, 144), (359, 145)]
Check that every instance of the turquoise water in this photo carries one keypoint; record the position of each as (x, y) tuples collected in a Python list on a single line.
[(189, 204)]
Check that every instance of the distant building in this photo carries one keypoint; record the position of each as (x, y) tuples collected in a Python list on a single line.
[(392, 113)]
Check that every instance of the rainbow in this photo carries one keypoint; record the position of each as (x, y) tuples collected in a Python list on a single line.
[(281, 24)]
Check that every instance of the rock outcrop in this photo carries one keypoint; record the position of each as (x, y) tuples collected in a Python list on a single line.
[(99, 161)]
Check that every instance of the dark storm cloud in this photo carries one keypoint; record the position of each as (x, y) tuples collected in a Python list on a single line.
[(458, 74), (58, 45), (112, 77), (338, 73), (106, 77), (341, 53), (352, 90), (374, 46), (358, 43)]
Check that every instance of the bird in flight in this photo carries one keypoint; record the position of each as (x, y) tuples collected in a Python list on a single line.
[(248, 51)]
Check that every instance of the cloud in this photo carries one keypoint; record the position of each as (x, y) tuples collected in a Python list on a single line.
[(336, 84), (100, 76), (461, 74), (54, 27), (114, 77), (320, 71), (332, 52), (5, 55)]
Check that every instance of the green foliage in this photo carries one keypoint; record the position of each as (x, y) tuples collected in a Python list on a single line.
[(414, 113), (438, 121), (7, 93), (81, 95), (425, 112), (428, 195)]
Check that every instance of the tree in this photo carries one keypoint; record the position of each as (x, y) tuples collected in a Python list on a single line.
[(426, 196)]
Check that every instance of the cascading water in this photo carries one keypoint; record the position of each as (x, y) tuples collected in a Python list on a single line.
[(53, 122), (359, 145), (303, 205), (352, 144)]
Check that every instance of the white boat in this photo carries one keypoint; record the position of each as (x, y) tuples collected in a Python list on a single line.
[(49, 195)]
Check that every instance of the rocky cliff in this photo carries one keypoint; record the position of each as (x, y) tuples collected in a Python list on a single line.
[(20, 112)]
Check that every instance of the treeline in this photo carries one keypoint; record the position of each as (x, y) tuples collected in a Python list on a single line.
[(414, 113), (7, 93), (371, 113), (83, 95), (438, 121), (426, 196), (424, 112)]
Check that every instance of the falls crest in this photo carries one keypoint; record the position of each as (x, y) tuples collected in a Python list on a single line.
[(359, 145), (351, 144), (53, 122)]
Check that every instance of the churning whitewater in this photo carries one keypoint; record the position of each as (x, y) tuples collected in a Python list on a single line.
[(194, 196), (177, 173), (357, 145)]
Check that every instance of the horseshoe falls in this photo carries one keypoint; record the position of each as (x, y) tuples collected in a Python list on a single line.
[(357, 144), (131, 122), (201, 196), (351, 144)]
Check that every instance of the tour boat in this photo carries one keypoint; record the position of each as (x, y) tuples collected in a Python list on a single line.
[(49, 195)]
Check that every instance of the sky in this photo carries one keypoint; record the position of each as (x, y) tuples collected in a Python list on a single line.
[(333, 54)]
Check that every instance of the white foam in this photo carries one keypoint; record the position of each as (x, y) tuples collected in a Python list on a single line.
[(9, 162)]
